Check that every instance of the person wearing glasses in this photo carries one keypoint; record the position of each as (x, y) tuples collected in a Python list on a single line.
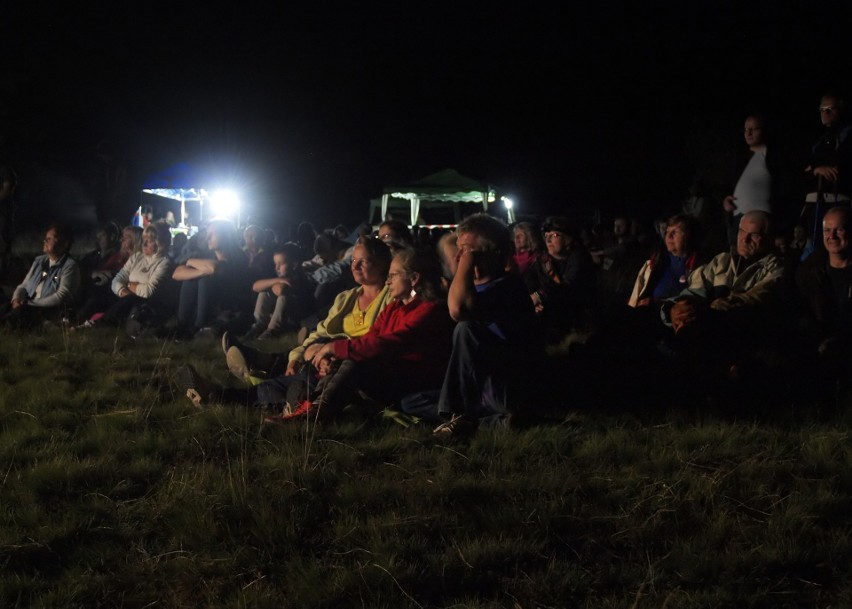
[(51, 285), (563, 282), (829, 163), (395, 233)]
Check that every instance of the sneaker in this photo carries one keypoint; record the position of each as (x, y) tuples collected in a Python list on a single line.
[(229, 340), (89, 323), (194, 386), (458, 426), (302, 411), (278, 419), (237, 364)]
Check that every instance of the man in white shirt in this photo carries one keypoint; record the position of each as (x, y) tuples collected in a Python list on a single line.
[(753, 191)]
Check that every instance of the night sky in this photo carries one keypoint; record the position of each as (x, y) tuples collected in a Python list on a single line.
[(311, 112)]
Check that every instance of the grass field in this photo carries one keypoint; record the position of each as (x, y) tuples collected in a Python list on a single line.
[(116, 492)]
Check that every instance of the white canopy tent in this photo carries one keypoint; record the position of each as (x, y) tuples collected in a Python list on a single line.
[(444, 189)]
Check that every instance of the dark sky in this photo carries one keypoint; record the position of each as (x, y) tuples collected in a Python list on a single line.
[(311, 112)]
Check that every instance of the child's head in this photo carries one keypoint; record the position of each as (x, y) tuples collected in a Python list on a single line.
[(286, 260)]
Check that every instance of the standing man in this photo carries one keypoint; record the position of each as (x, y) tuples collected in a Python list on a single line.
[(754, 188), (829, 163)]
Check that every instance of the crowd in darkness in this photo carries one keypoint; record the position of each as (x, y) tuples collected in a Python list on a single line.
[(489, 324)]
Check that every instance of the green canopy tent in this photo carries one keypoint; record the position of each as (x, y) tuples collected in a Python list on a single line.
[(446, 190)]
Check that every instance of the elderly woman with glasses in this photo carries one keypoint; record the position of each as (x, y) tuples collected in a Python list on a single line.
[(562, 283)]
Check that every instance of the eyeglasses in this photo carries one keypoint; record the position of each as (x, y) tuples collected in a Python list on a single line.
[(553, 235), (828, 109)]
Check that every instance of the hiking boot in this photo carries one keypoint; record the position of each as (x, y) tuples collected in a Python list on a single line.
[(458, 426), (195, 387)]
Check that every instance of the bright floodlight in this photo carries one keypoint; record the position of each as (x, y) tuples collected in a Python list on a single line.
[(510, 213), (225, 203)]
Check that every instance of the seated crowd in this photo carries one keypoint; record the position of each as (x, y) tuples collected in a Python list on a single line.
[(487, 325)]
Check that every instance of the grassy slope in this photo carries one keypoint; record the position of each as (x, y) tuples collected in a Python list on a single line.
[(114, 491)]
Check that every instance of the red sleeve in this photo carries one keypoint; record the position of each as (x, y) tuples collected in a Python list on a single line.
[(397, 330)]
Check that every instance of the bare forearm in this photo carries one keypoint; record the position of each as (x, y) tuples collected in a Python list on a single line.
[(462, 291)]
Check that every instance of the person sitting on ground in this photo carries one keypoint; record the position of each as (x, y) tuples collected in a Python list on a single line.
[(528, 247), (395, 234), (98, 267), (283, 300), (404, 352), (619, 261), (562, 281), (51, 286), (306, 236), (824, 281), (352, 314), (497, 350), (447, 252), (257, 252), (179, 242), (731, 304), (331, 273), (213, 285), (664, 274), (143, 280)]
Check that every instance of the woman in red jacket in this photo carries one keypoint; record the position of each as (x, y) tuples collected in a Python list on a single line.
[(404, 352)]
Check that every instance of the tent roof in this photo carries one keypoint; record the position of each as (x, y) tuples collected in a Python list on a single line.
[(181, 176), (445, 185)]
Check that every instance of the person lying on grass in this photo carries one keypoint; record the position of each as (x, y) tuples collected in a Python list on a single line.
[(351, 315)]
